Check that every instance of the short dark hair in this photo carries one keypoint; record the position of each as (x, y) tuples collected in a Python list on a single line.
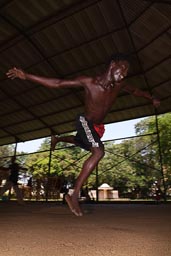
[(119, 57)]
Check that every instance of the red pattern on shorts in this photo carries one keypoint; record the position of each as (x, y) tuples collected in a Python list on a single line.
[(100, 129)]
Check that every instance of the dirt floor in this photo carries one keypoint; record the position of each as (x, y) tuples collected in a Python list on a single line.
[(48, 229)]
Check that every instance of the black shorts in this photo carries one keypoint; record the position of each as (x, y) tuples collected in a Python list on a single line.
[(86, 136)]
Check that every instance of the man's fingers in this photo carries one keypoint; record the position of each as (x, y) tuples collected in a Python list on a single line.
[(11, 75)]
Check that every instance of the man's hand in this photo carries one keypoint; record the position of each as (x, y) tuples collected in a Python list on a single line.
[(156, 102), (16, 73)]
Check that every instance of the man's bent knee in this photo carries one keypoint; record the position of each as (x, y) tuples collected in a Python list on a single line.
[(99, 152)]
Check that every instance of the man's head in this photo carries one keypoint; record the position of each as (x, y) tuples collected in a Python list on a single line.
[(119, 65)]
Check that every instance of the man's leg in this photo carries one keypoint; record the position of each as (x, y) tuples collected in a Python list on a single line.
[(88, 166), (18, 194), (67, 139)]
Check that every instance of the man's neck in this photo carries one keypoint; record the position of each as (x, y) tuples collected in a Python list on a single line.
[(104, 81)]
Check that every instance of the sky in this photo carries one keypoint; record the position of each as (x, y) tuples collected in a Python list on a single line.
[(112, 131)]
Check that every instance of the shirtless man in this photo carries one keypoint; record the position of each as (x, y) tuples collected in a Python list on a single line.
[(100, 94)]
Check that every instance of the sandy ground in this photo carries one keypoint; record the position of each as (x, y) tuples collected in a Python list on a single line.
[(48, 229)]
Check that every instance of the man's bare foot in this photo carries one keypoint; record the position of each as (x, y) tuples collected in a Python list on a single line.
[(54, 141), (73, 205)]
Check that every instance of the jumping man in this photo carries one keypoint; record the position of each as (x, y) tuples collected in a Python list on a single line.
[(100, 94)]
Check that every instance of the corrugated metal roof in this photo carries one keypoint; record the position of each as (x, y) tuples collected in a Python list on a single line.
[(66, 38)]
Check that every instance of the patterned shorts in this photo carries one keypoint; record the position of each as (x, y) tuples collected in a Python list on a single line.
[(86, 137)]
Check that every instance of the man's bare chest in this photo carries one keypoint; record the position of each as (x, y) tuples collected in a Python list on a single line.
[(104, 95)]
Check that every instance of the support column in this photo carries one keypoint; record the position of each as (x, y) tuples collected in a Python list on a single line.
[(97, 184), (49, 167), (160, 158)]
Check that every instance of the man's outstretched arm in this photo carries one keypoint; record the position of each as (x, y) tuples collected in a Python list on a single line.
[(139, 93), (45, 81)]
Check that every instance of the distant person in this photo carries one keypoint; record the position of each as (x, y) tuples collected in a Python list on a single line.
[(12, 181), (29, 187), (100, 95)]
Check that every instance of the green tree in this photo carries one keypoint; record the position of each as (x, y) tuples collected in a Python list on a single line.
[(162, 150), (5, 152)]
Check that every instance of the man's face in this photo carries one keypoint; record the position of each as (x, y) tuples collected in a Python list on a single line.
[(120, 70)]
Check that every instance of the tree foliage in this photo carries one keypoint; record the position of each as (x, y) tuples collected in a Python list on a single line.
[(5, 152)]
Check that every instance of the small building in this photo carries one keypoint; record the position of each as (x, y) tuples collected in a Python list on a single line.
[(107, 192)]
